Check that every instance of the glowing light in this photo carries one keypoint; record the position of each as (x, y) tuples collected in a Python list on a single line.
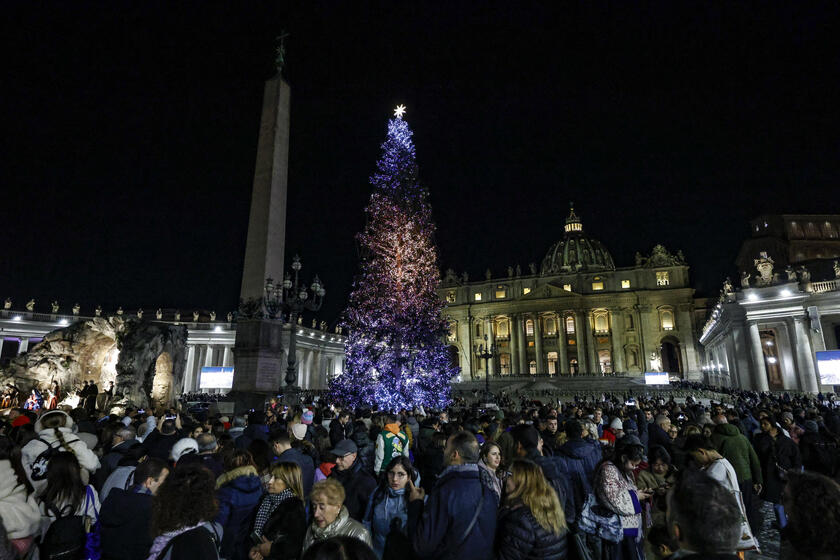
[(752, 297), (217, 329), (62, 322), (785, 293), (16, 318), (772, 360), (399, 111)]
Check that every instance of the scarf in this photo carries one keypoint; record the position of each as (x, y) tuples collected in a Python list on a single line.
[(162, 540), (267, 507), (393, 428)]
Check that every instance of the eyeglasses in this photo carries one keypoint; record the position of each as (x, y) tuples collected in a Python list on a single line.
[(396, 474)]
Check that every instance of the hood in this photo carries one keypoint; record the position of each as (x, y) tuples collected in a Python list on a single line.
[(123, 506), (240, 478), (8, 481), (68, 422), (727, 430)]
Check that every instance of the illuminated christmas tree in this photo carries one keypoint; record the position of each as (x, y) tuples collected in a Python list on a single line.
[(396, 357)]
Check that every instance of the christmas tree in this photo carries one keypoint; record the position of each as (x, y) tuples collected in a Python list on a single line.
[(396, 357)]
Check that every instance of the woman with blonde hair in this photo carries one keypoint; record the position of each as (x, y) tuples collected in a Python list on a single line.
[(531, 522), (281, 517), (330, 517)]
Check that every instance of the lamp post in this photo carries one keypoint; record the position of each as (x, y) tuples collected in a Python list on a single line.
[(487, 352), (294, 300)]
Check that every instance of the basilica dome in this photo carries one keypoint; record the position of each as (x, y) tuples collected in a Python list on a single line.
[(576, 252)]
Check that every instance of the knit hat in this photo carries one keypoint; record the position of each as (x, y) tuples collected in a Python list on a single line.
[(788, 415), (299, 431), (307, 416), (183, 446), (616, 424)]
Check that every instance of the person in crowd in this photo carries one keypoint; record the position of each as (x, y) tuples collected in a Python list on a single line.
[(19, 511), (339, 548), (703, 453), (430, 460), (263, 456), (391, 442), (578, 445), (126, 515), (65, 494), (358, 484), (207, 448), (330, 517), (159, 442), (341, 427), (364, 443), (490, 461), (703, 518), (552, 437), (737, 449), (182, 516), (387, 512), (531, 522), (123, 475), (459, 519), (281, 518), (183, 448), (778, 455), (657, 479), (256, 429), (658, 432), (613, 432), (124, 438), (281, 446), (812, 504), (237, 427), (616, 490), (661, 543), (819, 450), (54, 433), (239, 491)]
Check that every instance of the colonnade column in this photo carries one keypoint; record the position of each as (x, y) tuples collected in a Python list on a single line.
[(580, 337), (24, 345), (589, 323), (491, 341), (189, 370), (617, 335), (805, 357), (523, 355), (759, 369), (465, 339), (538, 344), (562, 350), (515, 335), (227, 358)]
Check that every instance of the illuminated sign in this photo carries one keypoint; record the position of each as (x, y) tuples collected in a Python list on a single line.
[(828, 364), (216, 378), (657, 378)]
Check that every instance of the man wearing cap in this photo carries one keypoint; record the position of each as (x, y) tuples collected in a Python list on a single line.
[(358, 484), (281, 445)]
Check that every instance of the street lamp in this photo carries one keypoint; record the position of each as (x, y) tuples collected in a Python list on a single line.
[(293, 301), (487, 352)]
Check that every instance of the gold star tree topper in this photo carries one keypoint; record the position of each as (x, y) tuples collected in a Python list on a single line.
[(399, 111)]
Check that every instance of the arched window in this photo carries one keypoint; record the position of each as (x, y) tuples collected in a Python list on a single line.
[(552, 363), (601, 323), (828, 231), (570, 324), (478, 329), (532, 367), (666, 319), (503, 328), (529, 327), (504, 364), (811, 231), (796, 231), (550, 327)]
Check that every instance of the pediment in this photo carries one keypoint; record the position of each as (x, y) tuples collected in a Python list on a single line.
[(550, 291)]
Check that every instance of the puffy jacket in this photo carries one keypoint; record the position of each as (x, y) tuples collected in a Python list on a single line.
[(87, 458), (390, 505), (125, 519), (18, 511), (587, 450), (304, 461), (438, 527), (343, 526), (239, 492), (520, 537), (358, 486), (736, 448)]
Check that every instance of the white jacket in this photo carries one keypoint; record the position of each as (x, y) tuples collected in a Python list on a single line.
[(87, 458), (19, 512)]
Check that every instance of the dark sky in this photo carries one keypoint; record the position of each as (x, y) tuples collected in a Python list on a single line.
[(130, 130)]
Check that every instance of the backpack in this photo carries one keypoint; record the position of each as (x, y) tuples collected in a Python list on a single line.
[(42, 461), (71, 537)]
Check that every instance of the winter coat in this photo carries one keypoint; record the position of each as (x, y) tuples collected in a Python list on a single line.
[(18, 511), (86, 507), (122, 478), (110, 461), (775, 454), (565, 477), (722, 471), (250, 433), (379, 519), (286, 528), (388, 446), (658, 436), (159, 445), (343, 526), (736, 448), (520, 537), (617, 492), (358, 486), (437, 528), (339, 432), (125, 519), (239, 492), (588, 450), (87, 458), (366, 448), (819, 453), (304, 461), (430, 465)]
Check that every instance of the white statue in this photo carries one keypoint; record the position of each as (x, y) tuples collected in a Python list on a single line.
[(510, 271), (230, 317), (8, 303), (323, 325), (54, 306), (745, 279), (30, 305), (119, 310), (836, 269), (804, 274), (98, 310), (212, 315), (727, 286), (655, 362), (300, 320), (177, 316), (337, 329), (791, 274), (159, 314), (76, 308), (195, 316), (139, 313), (314, 323), (764, 265), (487, 274)]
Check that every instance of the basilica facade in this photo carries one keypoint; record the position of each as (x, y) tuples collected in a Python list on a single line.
[(577, 314)]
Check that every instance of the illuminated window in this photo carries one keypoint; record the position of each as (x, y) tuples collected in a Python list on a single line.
[(501, 292), (666, 319), (625, 284), (663, 278), (550, 327), (597, 286), (450, 296), (530, 344), (502, 328), (477, 296), (570, 325), (504, 364), (529, 328), (567, 287), (601, 323), (532, 367), (526, 291), (552, 363)]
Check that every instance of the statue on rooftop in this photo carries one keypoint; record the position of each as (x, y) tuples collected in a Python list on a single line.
[(8, 303), (195, 316), (212, 316), (230, 317), (98, 310), (139, 313), (745, 279), (30, 305), (159, 314), (76, 309), (54, 306)]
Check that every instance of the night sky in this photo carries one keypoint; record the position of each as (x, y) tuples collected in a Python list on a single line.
[(130, 130)]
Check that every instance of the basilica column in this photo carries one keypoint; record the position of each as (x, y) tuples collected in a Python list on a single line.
[(538, 344), (514, 344), (227, 358), (189, 370), (580, 336), (489, 324), (805, 357), (24, 345), (465, 343), (523, 354), (759, 369), (617, 336), (589, 323), (562, 349)]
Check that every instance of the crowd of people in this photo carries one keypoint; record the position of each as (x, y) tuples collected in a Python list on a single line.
[(606, 477)]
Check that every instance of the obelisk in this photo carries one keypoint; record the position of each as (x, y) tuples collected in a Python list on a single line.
[(257, 352)]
